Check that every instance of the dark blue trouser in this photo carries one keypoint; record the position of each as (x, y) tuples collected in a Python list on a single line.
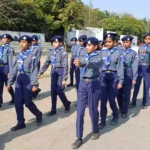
[(88, 93), (3, 79), (72, 70), (143, 73), (77, 77), (109, 82), (57, 88), (124, 94), (23, 95)]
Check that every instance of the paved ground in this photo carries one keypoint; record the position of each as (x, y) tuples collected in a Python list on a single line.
[(58, 132)]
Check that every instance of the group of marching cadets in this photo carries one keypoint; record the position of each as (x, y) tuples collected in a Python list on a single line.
[(104, 74), (108, 74)]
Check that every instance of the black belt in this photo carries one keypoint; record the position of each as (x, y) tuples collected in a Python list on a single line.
[(108, 71), (144, 64), (89, 79)]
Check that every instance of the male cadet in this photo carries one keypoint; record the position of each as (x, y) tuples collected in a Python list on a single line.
[(37, 52), (74, 49), (6, 62)]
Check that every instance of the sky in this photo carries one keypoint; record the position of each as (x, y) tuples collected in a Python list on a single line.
[(138, 8)]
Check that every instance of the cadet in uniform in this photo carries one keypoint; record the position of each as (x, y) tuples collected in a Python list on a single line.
[(59, 74), (26, 82), (130, 61), (101, 44), (111, 77), (6, 63), (89, 90), (79, 52), (74, 48), (37, 52), (143, 72)]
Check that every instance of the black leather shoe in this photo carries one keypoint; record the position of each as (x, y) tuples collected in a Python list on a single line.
[(114, 121), (132, 105), (95, 136), (11, 102), (39, 120), (76, 104), (102, 125), (70, 85), (18, 127), (0, 105), (144, 106), (51, 113), (77, 144), (67, 108), (124, 115)]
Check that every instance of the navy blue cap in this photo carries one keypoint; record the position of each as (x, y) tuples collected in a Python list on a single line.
[(8, 36), (34, 38), (91, 40), (147, 34), (26, 38), (57, 38), (127, 38), (114, 36), (74, 39), (82, 38), (101, 42)]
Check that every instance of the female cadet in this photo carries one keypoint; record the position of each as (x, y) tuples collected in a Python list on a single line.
[(26, 82), (143, 72), (79, 52), (130, 61), (74, 48), (89, 90), (59, 74), (37, 52), (6, 62), (111, 77)]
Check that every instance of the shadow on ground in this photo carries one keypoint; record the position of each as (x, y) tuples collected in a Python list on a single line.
[(31, 127), (132, 113)]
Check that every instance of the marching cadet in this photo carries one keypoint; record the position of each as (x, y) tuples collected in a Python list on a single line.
[(74, 48), (37, 52), (26, 82), (79, 52), (111, 78), (59, 74), (130, 61), (101, 44), (89, 90), (6, 63), (143, 72)]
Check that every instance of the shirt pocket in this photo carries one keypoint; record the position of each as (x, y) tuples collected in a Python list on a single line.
[(27, 66), (5, 58)]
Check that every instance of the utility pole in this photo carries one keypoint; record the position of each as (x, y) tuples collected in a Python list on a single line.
[(90, 4)]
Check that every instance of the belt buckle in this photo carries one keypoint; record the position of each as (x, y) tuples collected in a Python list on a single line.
[(87, 80), (108, 71)]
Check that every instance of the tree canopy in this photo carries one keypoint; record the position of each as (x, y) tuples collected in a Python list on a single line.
[(59, 16)]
